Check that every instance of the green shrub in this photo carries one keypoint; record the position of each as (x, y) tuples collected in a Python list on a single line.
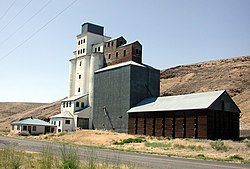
[(163, 145), (201, 156), (218, 145), (47, 158), (130, 140), (236, 157), (179, 146)]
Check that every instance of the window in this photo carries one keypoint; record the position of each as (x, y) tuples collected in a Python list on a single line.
[(95, 49), (124, 53), (78, 42), (78, 52), (99, 49), (25, 128), (67, 121), (112, 43), (80, 76), (80, 63), (54, 122), (66, 104), (116, 55), (69, 104), (34, 128), (108, 44), (136, 51), (83, 50), (77, 104), (109, 56), (83, 40), (79, 89), (59, 124), (18, 127), (63, 104), (82, 105)]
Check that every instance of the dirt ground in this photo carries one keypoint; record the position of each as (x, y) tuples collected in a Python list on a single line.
[(191, 148)]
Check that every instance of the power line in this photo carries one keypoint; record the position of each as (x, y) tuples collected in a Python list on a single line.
[(15, 16), (8, 9), (26, 40), (26, 22)]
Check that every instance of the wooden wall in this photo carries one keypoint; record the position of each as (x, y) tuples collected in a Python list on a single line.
[(205, 124)]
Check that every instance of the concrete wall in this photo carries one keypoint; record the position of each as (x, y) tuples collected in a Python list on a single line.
[(120, 89)]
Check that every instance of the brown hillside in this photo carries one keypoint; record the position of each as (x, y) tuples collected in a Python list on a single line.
[(11, 108), (232, 74), (42, 112)]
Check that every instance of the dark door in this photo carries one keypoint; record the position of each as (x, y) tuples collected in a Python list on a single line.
[(83, 123), (29, 129)]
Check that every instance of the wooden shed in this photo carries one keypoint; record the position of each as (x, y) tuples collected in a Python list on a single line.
[(210, 115)]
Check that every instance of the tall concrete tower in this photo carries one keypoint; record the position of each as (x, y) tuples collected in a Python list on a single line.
[(87, 58)]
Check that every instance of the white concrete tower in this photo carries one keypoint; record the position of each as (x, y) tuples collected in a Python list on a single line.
[(87, 58)]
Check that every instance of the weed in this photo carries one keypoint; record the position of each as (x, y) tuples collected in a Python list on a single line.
[(47, 158), (248, 144), (69, 157), (195, 148), (200, 156), (218, 145), (10, 159), (163, 145), (179, 146)]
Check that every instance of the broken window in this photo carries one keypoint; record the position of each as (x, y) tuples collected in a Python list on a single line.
[(67, 121)]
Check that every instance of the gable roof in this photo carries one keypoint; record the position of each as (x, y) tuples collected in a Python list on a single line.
[(31, 121), (63, 115), (73, 98), (180, 102)]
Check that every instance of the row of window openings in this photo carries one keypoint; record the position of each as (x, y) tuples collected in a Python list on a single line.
[(24, 128), (81, 51), (59, 122), (68, 104), (98, 49), (81, 41), (117, 54), (112, 43)]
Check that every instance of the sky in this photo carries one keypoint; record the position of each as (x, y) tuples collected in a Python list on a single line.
[(37, 38)]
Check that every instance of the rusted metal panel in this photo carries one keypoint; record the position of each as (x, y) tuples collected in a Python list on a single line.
[(202, 126), (179, 127)]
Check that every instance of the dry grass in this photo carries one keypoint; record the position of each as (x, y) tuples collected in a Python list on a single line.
[(193, 148)]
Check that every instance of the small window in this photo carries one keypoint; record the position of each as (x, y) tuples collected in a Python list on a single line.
[(82, 105), (78, 52), (69, 104), (77, 104), (59, 130), (79, 89), (95, 49), (78, 42), (112, 43), (99, 49), (66, 104), (108, 44), (124, 53), (109, 56), (67, 121), (25, 128), (136, 51), (80, 63), (18, 127), (34, 128), (83, 50), (80, 76), (81, 41), (54, 122), (116, 55), (63, 104), (59, 123)]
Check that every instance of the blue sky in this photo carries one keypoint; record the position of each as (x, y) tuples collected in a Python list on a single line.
[(172, 32)]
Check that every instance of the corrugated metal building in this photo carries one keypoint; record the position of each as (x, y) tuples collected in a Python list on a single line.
[(117, 89), (210, 115)]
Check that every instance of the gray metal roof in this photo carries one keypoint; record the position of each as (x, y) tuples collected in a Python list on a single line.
[(180, 102), (73, 98), (63, 115), (31, 121)]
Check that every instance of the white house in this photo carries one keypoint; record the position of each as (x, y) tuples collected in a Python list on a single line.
[(87, 58), (33, 126)]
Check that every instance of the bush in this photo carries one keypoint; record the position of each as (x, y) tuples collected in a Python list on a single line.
[(10, 159), (70, 158), (236, 157), (163, 145), (130, 140), (201, 156), (47, 158), (218, 145)]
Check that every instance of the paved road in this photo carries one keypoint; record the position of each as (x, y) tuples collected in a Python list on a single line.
[(140, 160)]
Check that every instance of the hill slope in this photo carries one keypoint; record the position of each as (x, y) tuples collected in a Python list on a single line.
[(232, 74)]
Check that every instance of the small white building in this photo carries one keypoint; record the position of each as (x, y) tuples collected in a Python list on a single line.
[(33, 126), (63, 121)]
